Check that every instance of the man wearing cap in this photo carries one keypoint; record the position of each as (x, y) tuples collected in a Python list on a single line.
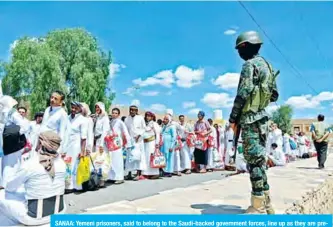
[(75, 141), (136, 126), (256, 90)]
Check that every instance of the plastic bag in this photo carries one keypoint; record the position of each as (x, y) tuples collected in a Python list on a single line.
[(134, 153), (211, 142), (68, 176), (83, 170), (112, 141), (201, 143), (190, 140)]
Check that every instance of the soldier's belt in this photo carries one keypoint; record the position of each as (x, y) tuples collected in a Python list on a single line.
[(150, 139)]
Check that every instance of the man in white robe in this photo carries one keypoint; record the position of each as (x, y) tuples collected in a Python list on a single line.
[(34, 131), (43, 179), (90, 127), (55, 118), (229, 148), (119, 130), (23, 112), (136, 126), (302, 148), (10, 116), (177, 153), (151, 139), (101, 125), (210, 162), (186, 152), (75, 143), (277, 137), (276, 156)]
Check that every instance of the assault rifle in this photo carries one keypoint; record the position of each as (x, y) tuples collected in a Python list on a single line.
[(236, 138)]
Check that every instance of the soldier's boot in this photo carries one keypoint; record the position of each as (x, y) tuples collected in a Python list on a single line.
[(268, 202), (257, 205)]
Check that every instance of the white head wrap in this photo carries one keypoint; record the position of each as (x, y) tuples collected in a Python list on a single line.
[(102, 107), (85, 109), (6, 104)]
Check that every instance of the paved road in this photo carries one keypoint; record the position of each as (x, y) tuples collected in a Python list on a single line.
[(131, 190)]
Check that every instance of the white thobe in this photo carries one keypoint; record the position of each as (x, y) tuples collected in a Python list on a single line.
[(90, 134), (27, 134), (33, 136), (286, 144), (269, 142), (11, 162), (55, 120), (38, 185), (177, 154), (152, 130), (102, 127), (220, 149), (186, 152), (136, 126), (277, 138), (76, 132), (117, 160), (229, 138), (278, 157), (240, 162), (210, 158), (302, 148)]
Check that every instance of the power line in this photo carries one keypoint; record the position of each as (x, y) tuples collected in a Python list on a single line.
[(315, 42), (296, 71)]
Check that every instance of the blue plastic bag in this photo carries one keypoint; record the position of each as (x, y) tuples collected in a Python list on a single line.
[(293, 145)]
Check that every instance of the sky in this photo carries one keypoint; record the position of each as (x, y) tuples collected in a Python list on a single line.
[(181, 55)]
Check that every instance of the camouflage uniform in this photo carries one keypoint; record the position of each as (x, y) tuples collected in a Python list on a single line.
[(254, 127)]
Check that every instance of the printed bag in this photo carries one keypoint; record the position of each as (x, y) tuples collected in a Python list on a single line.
[(211, 142), (201, 143), (68, 177), (112, 141), (157, 160), (190, 140)]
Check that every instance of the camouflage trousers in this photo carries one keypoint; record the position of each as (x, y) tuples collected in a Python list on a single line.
[(254, 145)]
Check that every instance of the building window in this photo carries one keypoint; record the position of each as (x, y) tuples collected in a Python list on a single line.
[(296, 129), (307, 128)]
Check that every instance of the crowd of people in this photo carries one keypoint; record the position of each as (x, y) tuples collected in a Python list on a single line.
[(44, 157)]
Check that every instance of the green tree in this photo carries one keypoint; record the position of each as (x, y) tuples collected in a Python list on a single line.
[(282, 117), (68, 59)]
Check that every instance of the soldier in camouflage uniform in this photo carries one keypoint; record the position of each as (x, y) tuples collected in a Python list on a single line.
[(256, 89)]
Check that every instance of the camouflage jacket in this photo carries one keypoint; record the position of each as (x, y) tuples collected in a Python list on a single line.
[(246, 85)]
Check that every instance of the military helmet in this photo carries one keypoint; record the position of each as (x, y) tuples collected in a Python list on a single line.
[(248, 37)]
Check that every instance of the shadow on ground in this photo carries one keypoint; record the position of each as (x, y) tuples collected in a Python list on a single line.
[(218, 209), (300, 167)]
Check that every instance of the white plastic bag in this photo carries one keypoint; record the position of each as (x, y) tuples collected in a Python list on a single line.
[(135, 153)]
